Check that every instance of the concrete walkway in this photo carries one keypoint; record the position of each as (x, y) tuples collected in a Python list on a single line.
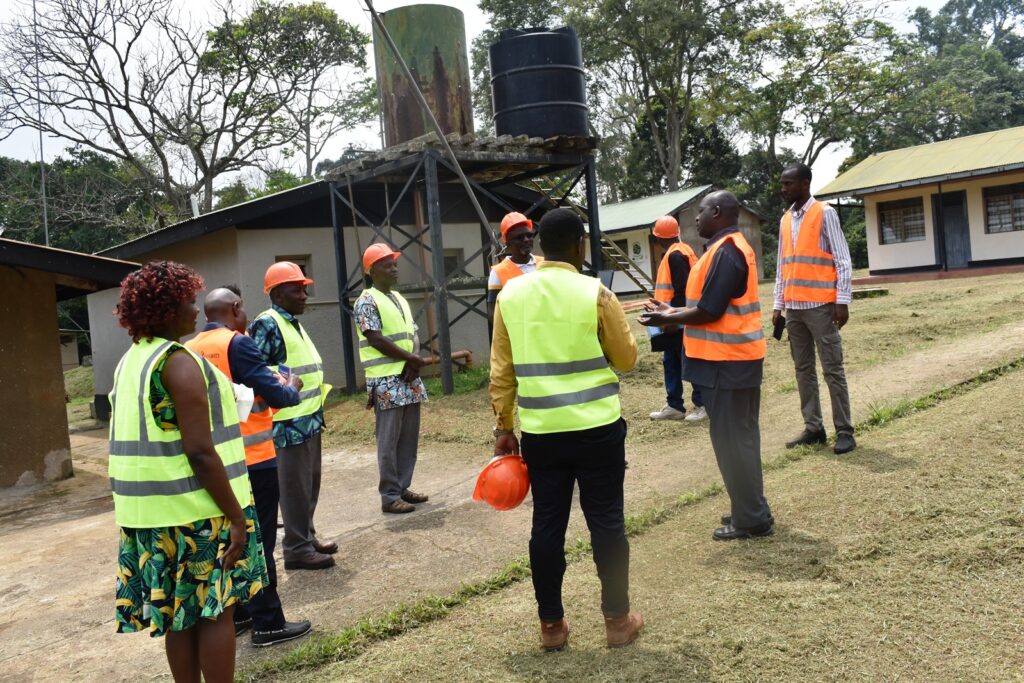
[(58, 543)]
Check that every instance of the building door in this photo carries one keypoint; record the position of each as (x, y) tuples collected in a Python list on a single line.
[(953, 238)]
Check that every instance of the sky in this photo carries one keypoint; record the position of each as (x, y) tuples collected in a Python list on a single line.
[(24, 144)]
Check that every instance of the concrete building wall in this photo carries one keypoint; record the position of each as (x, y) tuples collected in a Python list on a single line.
[(34, 444), (213, 256), (984, 246), (68, 351)]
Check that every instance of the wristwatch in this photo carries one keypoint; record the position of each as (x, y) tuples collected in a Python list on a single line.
[(498, 431)]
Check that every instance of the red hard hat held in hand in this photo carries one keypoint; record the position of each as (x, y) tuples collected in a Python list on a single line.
[(503, 483)]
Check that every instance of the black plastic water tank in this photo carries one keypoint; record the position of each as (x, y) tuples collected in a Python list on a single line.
[(538, 86)]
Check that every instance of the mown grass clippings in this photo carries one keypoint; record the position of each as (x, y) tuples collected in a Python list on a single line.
[(348, 643)]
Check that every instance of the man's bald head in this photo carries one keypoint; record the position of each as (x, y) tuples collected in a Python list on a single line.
[(225, 307), (717, 210), (727, 202)]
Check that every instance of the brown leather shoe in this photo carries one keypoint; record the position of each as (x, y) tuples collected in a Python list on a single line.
[(413, 497), (622, 631), (397, 507), (310, 561), (554, 634), (325, 547)]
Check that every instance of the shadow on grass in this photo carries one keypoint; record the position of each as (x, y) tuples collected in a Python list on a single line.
[(636, 662), (789, 555), (875, 460)]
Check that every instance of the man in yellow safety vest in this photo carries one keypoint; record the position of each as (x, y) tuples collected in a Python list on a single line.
[(557, 336), (387, 352)]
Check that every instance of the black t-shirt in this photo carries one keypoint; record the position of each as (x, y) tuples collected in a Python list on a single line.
[(726, 280)]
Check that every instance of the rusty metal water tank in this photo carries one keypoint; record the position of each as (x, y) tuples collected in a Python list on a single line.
[(538, 85), (432, 41)]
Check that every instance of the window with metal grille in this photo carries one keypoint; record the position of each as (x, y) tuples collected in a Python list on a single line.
[(1004, 208), (901, 221)]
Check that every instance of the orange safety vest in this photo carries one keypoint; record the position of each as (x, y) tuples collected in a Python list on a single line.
[(808, 273), (663, 289), (258, 430), (738, 334), (508, 269)]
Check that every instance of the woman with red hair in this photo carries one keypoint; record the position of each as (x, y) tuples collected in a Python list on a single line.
[(189, 548)]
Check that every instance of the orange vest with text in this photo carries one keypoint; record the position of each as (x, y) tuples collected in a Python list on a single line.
[(808, 273), (663, 289), (738, 334), (258, 430), (507, 269)]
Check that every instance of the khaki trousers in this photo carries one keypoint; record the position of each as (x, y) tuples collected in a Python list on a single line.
[(812, 329)]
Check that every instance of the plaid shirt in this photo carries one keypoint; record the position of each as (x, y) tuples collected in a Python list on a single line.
[(832, 241), (268, 339)]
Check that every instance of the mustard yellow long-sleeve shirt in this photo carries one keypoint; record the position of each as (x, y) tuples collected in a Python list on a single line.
[(613, 333)]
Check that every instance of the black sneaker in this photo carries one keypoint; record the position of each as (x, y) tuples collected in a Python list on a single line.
[(242, 625), (807, 438), (844, 443), (290, 631)]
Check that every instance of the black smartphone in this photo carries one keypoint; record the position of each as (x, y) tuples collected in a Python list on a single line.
[(779, 327)]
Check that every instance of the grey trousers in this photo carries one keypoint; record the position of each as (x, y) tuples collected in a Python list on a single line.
[(809, 329), (298, 475), (398, 438), (735, 428)]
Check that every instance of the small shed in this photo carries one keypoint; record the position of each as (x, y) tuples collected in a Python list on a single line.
[(34, 443), (628, 225), (942, 206)]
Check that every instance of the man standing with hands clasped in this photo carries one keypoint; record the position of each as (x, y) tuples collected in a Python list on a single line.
[(557, 336), (813, 287), (725, 350), (387, 352)]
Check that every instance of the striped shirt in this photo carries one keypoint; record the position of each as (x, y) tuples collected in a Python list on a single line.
[(832, 241)]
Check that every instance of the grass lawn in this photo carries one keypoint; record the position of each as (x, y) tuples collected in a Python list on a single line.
[(901, 561)]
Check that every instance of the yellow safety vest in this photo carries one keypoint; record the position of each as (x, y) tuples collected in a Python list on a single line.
[(302, 360), (565, 384), (396, 325), (150, 476)]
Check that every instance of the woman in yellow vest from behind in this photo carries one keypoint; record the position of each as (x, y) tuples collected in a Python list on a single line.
[(189, 546)]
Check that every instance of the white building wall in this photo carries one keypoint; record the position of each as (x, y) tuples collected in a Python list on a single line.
[(639, 250), (984, 246), (213, 256)]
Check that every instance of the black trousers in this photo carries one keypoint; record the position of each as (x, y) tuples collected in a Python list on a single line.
[(265, 607), (596, 460)]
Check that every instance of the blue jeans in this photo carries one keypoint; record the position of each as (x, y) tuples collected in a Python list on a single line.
[(673, 362)]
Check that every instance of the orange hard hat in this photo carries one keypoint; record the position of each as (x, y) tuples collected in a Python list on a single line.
[(514, 220), (504, 483), (375, 252), (667, 227), (282, 272)]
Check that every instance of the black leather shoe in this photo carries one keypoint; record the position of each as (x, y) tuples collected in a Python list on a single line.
[(807, 437), (290, 631), (311, 561), (731, 533), (242, 625), (844, 443)]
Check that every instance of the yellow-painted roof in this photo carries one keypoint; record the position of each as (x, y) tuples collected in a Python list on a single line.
[(982, 154)]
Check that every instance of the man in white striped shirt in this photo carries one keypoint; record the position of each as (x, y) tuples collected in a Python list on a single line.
[(813, 288)]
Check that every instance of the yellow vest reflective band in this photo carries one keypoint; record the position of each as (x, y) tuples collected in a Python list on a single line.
[(738, 334), (396, 325), (565, 384), (150, 476), (302, 360), (808, 273), (663, 289)]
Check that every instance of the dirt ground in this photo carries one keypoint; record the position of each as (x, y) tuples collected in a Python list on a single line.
[(58, 544), (899, 562)]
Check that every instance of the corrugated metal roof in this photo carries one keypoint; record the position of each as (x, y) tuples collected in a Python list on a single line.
[(982, 154), (636, 213)]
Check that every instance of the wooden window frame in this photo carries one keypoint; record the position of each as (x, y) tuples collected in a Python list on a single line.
[(898, 205)]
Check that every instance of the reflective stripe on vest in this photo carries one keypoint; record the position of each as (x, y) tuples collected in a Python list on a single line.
[(663, 289), (396, 325), (507, 269), (151, 479), (303, 360), (738, 334), (257, 431), (565, 384), (808, 273)]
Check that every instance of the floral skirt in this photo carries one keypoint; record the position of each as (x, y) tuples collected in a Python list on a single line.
[(170, 577)]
